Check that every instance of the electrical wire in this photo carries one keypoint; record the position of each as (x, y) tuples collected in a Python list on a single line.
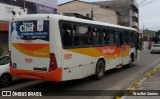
[(147, 3), (142, 2)]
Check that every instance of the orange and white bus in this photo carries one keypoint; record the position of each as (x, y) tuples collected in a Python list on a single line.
[(60, 48)]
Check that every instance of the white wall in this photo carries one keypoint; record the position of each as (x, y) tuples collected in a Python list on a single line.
[(6, 11), (50, 3)]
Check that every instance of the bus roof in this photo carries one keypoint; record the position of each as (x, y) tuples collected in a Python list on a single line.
[(61, 17)]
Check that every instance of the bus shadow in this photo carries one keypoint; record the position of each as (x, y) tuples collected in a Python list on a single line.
[(19, 81)]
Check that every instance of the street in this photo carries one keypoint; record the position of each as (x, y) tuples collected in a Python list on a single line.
[(116, 79)]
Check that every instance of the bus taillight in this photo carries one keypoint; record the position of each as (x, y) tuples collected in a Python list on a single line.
[(53, 62), (10, 61)]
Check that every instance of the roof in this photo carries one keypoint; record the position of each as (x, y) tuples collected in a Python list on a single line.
[(78, 1), (19, 3), (60, 17), (103, 3)]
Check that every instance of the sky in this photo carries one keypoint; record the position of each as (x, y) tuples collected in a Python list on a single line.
[(149, 14)]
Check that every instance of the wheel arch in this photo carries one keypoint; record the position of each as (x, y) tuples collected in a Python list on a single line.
[(6, 74), (101, 58)]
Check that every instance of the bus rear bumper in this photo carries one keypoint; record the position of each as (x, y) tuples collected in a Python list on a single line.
[(55, 75)]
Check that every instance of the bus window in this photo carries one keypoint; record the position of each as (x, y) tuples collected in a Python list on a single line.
[(124, 37), (106, 37), (101, 33), (81, 38), (67, 35), (118, 38), (111, 37), (130, 37), (95, 36)]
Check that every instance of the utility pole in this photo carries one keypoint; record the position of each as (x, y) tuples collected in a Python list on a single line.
[(92, 14), (143, 31)]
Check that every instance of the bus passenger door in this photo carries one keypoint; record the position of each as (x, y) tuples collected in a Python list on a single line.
[(118, 40)]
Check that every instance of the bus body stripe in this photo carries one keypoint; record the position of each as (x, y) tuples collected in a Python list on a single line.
[(42, 50), (107, 52)]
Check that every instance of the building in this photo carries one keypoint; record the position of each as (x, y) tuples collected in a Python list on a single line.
[(6, 14), (4, 27), (10, 8), (91, 10), (128, 10), (34, 6)]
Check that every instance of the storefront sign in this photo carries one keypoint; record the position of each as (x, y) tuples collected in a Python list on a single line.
[(4, 26), (41, 9), (49, 3)]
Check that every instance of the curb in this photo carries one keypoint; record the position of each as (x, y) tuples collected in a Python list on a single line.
[(137, 84)]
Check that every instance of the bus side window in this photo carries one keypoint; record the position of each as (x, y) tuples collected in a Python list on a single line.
[(130, 37), (99, 38), (94, 36), (82, 37), (124, 37), (111, 37), (118, 38), (67, 35), (106, 37), (133, 40)]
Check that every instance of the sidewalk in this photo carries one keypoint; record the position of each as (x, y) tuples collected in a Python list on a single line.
[(151, 84)]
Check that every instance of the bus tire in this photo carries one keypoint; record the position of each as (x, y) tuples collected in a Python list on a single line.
[(100, 70), (5, 80)]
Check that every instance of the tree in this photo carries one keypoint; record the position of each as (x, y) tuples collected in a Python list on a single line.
[(155, 39)]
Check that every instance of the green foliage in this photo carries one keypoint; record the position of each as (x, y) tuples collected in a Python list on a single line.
[(1, 51), (155, 39), (149, 33)]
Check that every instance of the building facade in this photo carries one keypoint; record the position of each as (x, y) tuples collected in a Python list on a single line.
[(10, 8), (6, 15), (128, 9), (92, 11)]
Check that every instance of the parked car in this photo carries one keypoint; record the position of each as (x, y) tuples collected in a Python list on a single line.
[(155, 48), (5, 76)]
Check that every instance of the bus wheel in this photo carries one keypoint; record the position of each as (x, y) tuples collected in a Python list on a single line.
[(5, 80), (100, 70)]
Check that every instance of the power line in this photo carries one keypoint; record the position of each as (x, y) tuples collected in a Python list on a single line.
[(149, 2), (142, 2)]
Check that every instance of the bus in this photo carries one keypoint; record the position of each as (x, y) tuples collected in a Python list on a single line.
[(59, 48)]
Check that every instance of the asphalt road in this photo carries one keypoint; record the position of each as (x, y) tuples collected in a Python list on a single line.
[(116, 79)]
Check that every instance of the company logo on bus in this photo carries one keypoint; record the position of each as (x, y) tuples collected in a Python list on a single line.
[(108, 51), (27, 27)]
